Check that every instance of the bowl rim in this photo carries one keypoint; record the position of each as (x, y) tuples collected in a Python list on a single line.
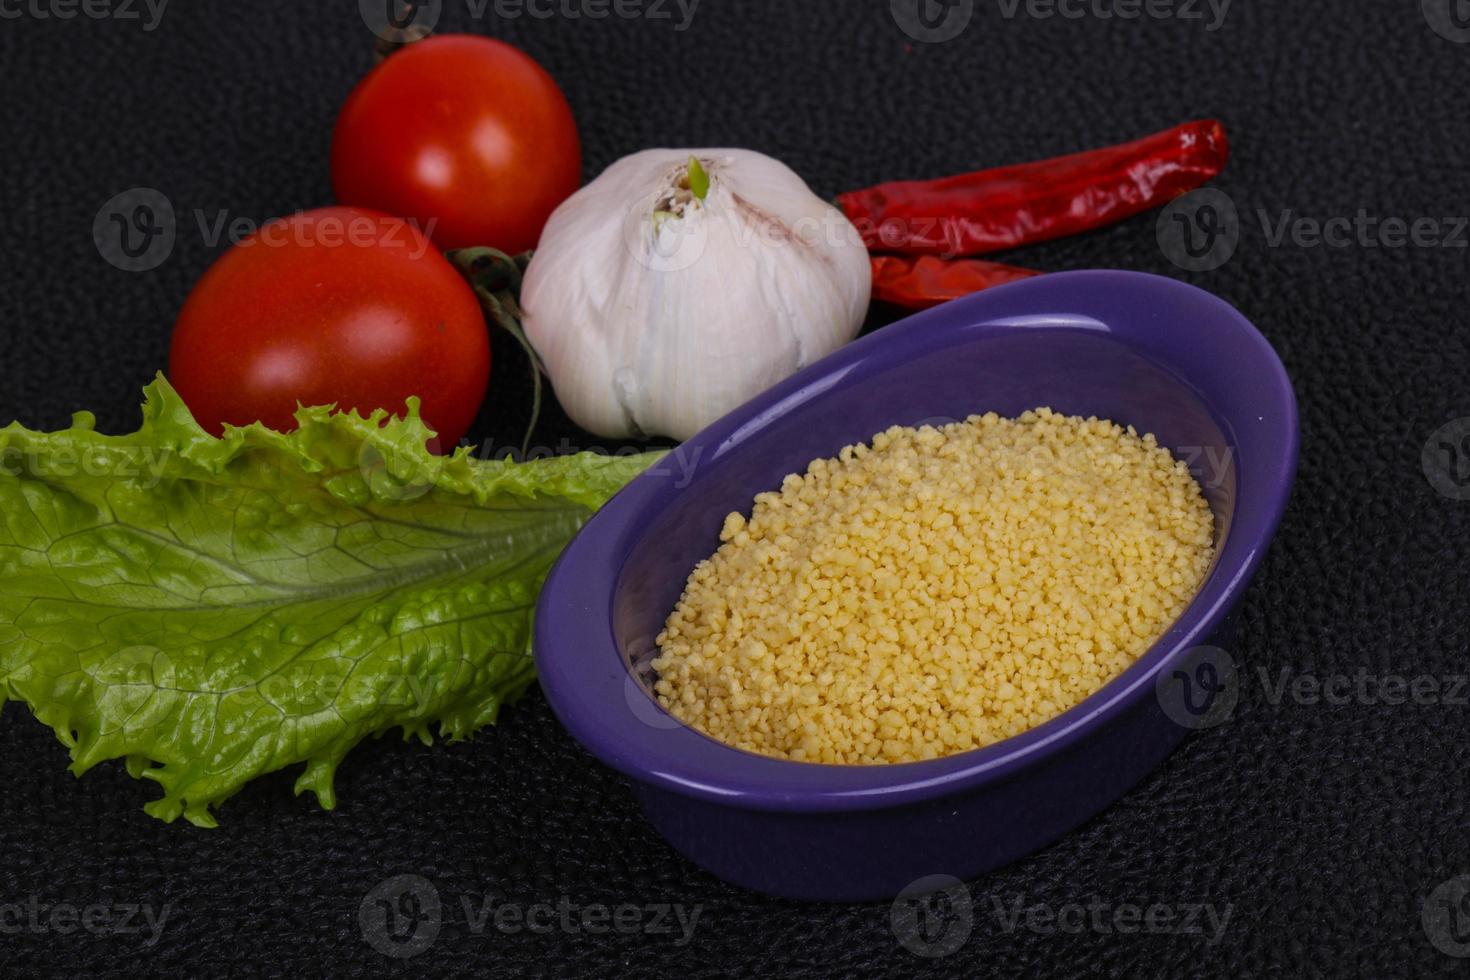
[(590, 698)]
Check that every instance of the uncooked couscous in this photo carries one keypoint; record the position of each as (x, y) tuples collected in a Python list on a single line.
[(937, 591)]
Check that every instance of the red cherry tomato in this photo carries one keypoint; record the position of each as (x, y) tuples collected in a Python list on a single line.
[(464, 131), (337, 306)]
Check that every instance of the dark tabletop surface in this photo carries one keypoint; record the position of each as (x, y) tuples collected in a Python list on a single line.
[(1313, 832)]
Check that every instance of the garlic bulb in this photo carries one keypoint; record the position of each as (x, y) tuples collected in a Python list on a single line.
[(681, 283)]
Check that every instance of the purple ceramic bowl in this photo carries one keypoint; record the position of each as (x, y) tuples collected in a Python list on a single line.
[(1138, 349)]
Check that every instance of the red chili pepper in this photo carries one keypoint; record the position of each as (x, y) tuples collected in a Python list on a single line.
[(989, 210), (919, 283)]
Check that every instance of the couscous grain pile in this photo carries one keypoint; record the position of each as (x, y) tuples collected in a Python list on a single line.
[(939, 590)]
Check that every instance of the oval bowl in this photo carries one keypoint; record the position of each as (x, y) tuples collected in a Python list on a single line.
[(1141, 350)]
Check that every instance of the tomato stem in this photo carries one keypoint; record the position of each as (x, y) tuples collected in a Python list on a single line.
[(496, 280), (392, 37)]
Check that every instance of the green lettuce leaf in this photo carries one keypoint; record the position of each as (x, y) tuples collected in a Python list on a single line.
[(213, 609)]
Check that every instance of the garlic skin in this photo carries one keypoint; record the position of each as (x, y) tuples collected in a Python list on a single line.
[(656, 312)]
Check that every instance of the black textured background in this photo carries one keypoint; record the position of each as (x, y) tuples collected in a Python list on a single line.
[(1322, 827)]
